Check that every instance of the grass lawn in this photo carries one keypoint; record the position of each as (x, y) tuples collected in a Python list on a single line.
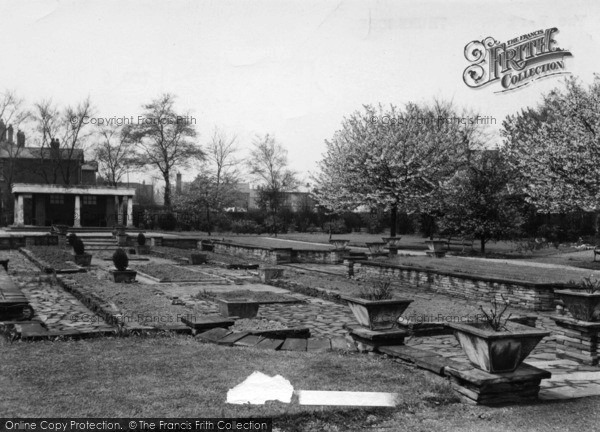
[(179, 377), (494, 269)]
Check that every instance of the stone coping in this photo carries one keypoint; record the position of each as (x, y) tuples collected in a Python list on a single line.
[(366, 302), (592, 325), (539, 285), (249, 246), (514, 331)]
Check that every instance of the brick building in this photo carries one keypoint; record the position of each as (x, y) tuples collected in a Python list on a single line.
[(44, 186)]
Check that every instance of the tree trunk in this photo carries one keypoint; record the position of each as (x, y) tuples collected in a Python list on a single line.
[(483, 241), (167, 190), (597, 223), (393, 220), (208, 219)]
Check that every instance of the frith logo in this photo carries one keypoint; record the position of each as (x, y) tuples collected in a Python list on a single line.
[(515, 63)]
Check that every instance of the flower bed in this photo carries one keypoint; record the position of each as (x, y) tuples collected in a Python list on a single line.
[(140, 303), (169, 272), (214, 258), (264, 297), (56, 258)]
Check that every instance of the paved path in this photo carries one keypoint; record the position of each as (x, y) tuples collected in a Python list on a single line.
[(569, 378), (54, 308)]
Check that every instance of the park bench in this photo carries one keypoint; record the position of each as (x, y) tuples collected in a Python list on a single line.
[(14, 306)]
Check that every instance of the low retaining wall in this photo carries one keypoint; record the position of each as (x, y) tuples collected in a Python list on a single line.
[(272, 255), (16, 242), (278, 255), (534, 296), (181, 243)]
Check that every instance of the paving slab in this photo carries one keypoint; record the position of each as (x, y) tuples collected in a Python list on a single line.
[(315, 344), (294, 344), (213, 335), (270, 343)]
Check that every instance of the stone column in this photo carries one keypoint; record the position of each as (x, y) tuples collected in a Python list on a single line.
[(20, 214), (15, 207), (77, 215), (130, 211), (119, 205)]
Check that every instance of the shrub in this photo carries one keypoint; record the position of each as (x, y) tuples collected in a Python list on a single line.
[(71, 239), (494, 318), (336, 226), (167, 222), (245, 227), (141, 239), (78, 246), (380, 290), (120, 260)]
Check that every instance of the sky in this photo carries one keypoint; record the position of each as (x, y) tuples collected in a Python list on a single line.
[(293, 69)]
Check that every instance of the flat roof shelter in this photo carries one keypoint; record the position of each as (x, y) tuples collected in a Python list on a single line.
[(76, 206)]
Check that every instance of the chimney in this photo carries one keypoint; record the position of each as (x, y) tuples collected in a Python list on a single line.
[(178, 183), (21, 138), (2, 131), (10, 134)]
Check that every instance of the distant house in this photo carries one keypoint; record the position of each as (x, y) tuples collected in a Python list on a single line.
[(294, 200), (43, 186)]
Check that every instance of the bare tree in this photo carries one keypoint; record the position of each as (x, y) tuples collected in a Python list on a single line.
[(64, 135), (115, 152), (214, 189), (268, 163), (221, 159), (166, 140)]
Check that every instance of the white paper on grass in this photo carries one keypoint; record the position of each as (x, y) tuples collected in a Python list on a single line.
[(259, 388)]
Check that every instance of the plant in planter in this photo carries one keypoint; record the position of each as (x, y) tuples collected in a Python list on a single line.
[(142, 248), (583, 301), (121, 261), (71, 239), (497, 345), (375, 308), (81, 257)]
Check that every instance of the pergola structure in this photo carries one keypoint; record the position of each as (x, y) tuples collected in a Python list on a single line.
[(77, 206)]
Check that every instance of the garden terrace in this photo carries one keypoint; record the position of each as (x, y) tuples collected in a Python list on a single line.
[(169, 272), (53, 259), (524, 286)]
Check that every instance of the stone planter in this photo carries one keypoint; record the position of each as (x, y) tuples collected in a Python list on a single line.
[(393, 244), (582, 305), (239, 308), (83, 260), (377, 314), (339, 244), (198, 258), (142, 249), (267, 274), (497, 352), (437, 248), (376, 247), (121, 239), (126, 276)]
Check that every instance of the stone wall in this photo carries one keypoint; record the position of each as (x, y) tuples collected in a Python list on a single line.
[(181, 243), (535, 296), (16, 242), (278, 255)]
